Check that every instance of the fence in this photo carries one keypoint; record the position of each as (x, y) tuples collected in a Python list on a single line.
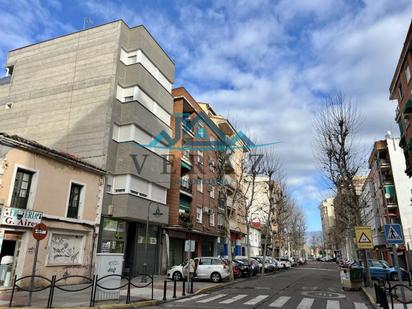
[(384, 288), (93, 283)]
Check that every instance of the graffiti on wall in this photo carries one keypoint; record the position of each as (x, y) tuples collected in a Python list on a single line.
[(65, 249)]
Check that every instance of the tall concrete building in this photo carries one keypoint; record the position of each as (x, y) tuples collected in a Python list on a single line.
[(102, 94)]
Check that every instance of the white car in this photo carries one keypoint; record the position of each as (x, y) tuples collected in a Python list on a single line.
[(212, 268), (285, 263)]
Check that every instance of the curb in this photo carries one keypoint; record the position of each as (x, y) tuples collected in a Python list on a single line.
[(369, 296)]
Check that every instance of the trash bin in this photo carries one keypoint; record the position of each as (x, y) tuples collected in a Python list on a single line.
[(351, 277)]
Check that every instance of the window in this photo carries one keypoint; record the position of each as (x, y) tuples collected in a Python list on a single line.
[(400, 91), (132, 59), (199, 184), (211, 191), (74, 201), (199, 157), (199, 215), (408, 73), (9, 70), (212, 219), (113, 236), (205, 261), (128, 98), (21, 190), (220, 220)]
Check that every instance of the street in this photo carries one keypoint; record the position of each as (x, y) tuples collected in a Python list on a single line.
[(314, 285)]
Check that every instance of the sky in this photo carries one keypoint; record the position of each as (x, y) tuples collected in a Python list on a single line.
[(265, 64)]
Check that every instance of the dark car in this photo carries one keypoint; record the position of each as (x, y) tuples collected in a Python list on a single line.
[(243, 266)]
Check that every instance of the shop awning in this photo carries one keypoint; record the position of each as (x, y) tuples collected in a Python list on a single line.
[(408, 107), (184, 205)]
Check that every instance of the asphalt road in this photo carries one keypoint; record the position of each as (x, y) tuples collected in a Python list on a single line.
[(315, 285)]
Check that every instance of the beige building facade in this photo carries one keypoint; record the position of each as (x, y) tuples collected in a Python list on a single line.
[(39, 184), (327, 214)]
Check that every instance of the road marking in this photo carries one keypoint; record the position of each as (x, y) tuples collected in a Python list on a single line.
[(280, 301), (206, 300), (306, 303), (360, 306), (400, 306), (324, 269), (191, 298), (255, 300), (233, 299), (332, 304)]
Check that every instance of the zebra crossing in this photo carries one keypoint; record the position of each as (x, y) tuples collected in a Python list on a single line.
[(282, 301)]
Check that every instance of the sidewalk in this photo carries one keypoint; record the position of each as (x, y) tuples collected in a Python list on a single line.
[(82, 298)]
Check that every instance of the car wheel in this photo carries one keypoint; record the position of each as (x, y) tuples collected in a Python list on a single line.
[(215, 277), (394, 276), (177, 276)]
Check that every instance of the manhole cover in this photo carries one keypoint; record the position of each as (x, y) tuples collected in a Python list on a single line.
[(323, 294)]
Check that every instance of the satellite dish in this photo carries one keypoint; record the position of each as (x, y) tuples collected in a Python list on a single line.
[(387, 196)]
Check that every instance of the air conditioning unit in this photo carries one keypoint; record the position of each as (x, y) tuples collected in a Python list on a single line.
[(206, 210)]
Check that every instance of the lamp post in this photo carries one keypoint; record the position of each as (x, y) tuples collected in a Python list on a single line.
[(157, 213)]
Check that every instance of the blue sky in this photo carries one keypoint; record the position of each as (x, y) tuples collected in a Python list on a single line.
[(262, 63)]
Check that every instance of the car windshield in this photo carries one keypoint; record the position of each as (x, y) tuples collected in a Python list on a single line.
[(384, 263)]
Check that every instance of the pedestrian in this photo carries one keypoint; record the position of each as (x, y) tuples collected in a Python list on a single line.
[(192, 268)]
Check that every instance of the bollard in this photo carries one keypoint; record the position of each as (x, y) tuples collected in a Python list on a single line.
[(174, 288), (164, 289), (377, 294), (184, 288), (191, 286)]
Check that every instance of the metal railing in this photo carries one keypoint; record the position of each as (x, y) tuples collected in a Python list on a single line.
[(93, 283)]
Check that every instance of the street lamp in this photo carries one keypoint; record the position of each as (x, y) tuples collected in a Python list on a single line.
[(157, 214)]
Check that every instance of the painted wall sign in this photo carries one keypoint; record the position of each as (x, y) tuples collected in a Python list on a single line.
[(20, 217)]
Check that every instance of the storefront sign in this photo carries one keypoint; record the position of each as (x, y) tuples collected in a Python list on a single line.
[(20, 217)]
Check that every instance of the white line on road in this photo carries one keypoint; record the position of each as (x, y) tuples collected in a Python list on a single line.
[(306, 303), (400, 306), (206, 300), (233, 299), (360, 306), (280, 301), (255, 300), (332, 304), (325, 269), (191, 298)]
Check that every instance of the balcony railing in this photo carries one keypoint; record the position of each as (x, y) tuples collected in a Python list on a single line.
[(185, 185)]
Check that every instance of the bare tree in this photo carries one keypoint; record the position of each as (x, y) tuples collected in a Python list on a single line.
[(336, 127)]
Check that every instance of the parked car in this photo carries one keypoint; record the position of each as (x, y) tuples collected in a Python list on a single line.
[(259, 263), (381, 269), (285, 263), (269, 267), (243, 266), (211, 268), (274, 262)]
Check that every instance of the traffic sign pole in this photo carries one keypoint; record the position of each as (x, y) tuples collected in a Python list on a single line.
[(33, 272), (39, 232)]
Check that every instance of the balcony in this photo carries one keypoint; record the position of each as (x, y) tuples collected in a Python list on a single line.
[(186, 186), (186, 163), (384, 164)]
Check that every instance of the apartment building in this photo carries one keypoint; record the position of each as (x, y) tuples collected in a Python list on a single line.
[(40, 184), (327, 215), (400, 90), (235, 197), (193, 194), (391, 188), (371, 216), (102, 94)]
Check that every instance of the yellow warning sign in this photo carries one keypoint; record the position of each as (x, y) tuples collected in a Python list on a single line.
[(363, 237)]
